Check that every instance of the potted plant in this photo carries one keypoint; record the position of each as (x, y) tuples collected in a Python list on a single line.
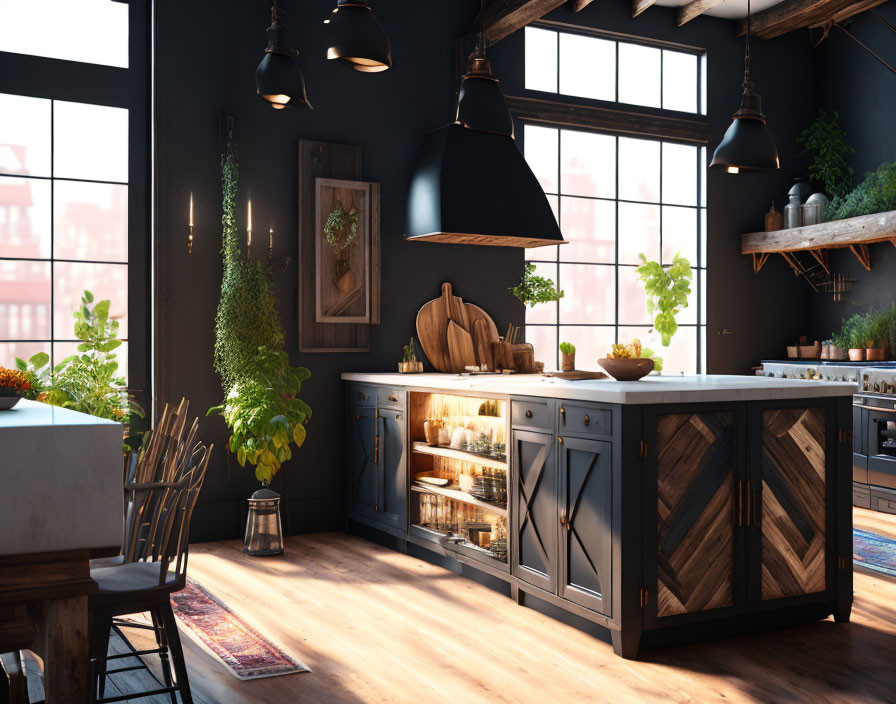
[(567, 357), (14, 384), (533, 289), (853, 336), (878, 332), (409, 363), (667, 289)]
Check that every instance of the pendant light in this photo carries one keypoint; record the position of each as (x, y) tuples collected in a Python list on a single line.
[(278, 79), (357, 39), (481, 104), (747, 145)]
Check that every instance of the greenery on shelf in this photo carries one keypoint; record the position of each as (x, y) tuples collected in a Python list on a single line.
[(87, 381), (853, 333), (567, 348), (534, 289), (667, 289), (825, 141), (873, 329), (262, 407), (875, 194)]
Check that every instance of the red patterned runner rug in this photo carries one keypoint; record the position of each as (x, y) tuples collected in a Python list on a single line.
[(243, 650)]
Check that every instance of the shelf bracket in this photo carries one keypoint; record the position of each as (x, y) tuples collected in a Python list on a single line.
[(759, 260), (821, 256), (893, 242), (862, 254)]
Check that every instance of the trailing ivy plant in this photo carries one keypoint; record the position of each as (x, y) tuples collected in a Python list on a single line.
[(534, 289), (875, 194), (667, 289), (825, 141), (262, 405)]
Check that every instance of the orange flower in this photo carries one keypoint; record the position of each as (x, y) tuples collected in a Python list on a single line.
[(14, 380)]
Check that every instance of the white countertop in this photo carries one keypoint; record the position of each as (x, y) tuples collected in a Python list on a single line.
[(61, 473), (650, 390)]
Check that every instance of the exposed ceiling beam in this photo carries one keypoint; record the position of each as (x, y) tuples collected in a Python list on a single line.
[(504, 17), (694, 9), (797, 14), (579, 5), (638, 6)]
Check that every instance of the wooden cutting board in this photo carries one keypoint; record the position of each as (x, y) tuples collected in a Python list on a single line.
[(482, 344), (578, 375), (460, 347), (432, 327)]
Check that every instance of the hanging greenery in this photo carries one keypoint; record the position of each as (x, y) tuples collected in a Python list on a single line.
[(667, 289), (262, 405), (825, 141)]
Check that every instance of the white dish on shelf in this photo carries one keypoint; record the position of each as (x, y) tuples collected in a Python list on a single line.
[(430, 479)]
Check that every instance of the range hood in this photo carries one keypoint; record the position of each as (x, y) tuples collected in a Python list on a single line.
[(471, 184)]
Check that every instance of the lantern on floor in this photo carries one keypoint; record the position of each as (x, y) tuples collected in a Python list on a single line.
[(264, 533)]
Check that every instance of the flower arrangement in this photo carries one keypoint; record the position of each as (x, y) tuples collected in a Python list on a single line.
[(14, 382)]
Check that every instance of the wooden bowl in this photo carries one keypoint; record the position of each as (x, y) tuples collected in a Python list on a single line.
[(627, 369), (8, 401)]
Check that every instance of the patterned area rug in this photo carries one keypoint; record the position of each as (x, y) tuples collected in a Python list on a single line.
[(874, 552), (243, 650)]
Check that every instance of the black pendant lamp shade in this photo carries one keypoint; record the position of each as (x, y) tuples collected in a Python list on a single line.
[(357, 39), (278, 79), (748, 145), (481, 104), (475, 187)]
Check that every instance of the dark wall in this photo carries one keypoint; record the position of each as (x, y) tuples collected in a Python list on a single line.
[(863, 92), (206, 63)]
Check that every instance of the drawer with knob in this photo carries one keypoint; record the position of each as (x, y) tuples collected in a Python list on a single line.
[(584, 420), (536, 415), (362, 395), (389, 397)]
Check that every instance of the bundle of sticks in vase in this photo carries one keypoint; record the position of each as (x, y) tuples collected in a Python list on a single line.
[(511, 355)]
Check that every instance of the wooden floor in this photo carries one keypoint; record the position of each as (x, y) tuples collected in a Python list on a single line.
[(376, 625)]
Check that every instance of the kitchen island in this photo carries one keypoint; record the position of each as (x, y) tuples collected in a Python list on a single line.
[(661, 510)]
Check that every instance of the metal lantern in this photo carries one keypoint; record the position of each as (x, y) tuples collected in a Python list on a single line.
[(264, 533)]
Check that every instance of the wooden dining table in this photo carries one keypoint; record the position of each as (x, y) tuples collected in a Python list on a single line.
[(60, 505)]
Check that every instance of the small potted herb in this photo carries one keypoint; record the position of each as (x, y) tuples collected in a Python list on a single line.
[(409, 363), (14, 384), (853, 336), (567, 357)]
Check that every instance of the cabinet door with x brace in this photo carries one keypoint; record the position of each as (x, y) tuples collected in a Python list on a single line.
[(586, 525), (534, 515)]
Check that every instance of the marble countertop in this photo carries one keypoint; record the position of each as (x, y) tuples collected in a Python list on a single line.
[(30, 414), (650, 390)]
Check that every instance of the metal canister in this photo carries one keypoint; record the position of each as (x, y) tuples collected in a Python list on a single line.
[(792, 212)]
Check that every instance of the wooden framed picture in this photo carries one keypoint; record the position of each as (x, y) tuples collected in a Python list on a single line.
[(342, 251)]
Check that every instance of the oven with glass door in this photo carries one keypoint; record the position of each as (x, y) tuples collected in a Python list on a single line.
[(879, 421)]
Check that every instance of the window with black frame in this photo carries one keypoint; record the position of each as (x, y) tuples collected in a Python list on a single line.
[(73, 175), (616, 197)]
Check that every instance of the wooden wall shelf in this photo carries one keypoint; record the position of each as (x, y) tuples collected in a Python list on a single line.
[(854, 233)]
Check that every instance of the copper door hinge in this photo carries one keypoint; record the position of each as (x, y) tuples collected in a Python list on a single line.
[(643, 454), (643, 598)]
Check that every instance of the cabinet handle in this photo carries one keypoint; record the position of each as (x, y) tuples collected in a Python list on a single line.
[(587, 420), (363, 396), (749, 494), (376, 450), (756, 508), (740, 502), (563, 519), (560, 440), (563, 415), (393, 398), (528, 414)]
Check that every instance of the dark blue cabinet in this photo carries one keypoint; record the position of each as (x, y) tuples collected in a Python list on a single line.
[(362, 461), (392, 473)]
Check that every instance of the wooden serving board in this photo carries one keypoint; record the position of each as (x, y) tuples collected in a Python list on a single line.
[(577, 375)]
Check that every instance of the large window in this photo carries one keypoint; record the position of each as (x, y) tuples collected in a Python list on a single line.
[(73, 175), (616, 197)]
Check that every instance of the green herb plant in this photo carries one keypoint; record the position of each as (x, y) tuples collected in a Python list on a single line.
[(667, 289), (262, 407), (88, 381), (875, 194), (855, 333), (567, 348), (409, 353), (825, 141), (533, 289)]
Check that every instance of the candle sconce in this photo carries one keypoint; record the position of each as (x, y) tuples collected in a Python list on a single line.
[(190, 228)]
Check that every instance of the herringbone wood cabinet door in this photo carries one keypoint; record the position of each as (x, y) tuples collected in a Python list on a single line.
[(696, 512), (793, 472)]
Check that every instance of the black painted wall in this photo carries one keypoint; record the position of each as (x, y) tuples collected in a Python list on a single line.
[(863, 92), (206, 60)]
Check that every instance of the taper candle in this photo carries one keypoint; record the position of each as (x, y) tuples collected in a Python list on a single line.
[(249, 228)]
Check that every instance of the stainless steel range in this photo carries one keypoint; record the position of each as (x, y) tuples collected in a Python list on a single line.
[(874, 422)]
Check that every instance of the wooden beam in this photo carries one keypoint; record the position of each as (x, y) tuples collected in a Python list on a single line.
[(638, 6), (563, 114), (695, 8), (862, 254), (790, 15), (865, 229), (504, 17), (579, 5)]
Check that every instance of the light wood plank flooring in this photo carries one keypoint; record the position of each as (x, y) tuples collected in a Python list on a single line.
[(376, 625)]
